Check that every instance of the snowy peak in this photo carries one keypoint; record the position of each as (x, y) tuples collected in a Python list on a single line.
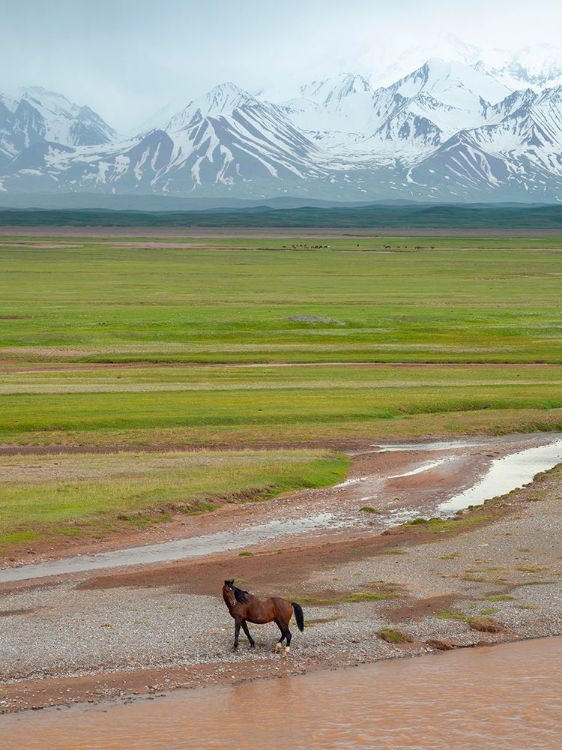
[(48, 103), (334, 90), (36, 115), (453, 84), (221, 100), (343, 104)]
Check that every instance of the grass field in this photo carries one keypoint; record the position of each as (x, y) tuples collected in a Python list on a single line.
[(91, 494), (258, 343)]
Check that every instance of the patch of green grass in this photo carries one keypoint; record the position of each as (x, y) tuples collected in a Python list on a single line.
[(441, 526), (392, 551), (489, 611), (450, 556), (500, 598), (531, 568), (535, 583), (380, 591), (369, 509), (245, 553), (18, 537), (450, 614), (395, 635)]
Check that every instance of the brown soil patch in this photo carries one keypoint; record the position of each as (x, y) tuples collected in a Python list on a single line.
[(418, 609), (441, 644), (13, 612)]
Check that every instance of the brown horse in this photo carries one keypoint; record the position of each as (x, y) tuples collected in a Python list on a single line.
[(246, 607)]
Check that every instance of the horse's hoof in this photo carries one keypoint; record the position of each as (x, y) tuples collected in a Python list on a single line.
[(252, 645), (234, 649)]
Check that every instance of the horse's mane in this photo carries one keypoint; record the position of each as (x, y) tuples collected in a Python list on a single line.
[(239, 594)]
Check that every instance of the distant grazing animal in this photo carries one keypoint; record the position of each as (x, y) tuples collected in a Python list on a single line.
[(245, 607)]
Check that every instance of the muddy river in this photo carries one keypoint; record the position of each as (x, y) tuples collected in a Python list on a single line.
[(507, 696)]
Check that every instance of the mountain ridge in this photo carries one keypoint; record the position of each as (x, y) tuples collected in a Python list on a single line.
[(446, 131)]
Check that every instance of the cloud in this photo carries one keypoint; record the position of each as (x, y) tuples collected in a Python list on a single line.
[(127, 58)]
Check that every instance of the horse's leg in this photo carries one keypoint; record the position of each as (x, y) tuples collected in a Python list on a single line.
[(288, 636), (237, 623), (279, 643), (248, 636)]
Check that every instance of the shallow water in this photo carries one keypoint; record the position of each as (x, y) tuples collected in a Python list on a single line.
[(507, 696), (507, 474), (180, 549), (434, 446)]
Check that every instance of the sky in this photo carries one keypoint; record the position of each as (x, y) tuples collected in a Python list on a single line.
[(128, 58)]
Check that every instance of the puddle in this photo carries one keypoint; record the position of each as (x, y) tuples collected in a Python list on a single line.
[(507, 474), (351, 482), (502, 697), (421, 469), (437, 446), (180, 549)]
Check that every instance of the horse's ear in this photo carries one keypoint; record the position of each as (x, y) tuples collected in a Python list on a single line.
[(229, 583)]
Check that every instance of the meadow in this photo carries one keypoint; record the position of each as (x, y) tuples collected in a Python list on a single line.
[(267, 343)]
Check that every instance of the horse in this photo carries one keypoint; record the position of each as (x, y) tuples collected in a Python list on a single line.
[(245, 607)]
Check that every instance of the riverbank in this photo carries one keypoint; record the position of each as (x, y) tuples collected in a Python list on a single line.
[(492, 575)]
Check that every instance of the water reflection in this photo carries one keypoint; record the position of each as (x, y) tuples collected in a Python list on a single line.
[(507, 474)]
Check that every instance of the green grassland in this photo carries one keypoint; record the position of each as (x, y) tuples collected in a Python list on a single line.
[(103, 337), (265, 343), (92, 494)]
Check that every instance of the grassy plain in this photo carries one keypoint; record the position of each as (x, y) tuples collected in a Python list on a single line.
[(267, 342), (75, 494)]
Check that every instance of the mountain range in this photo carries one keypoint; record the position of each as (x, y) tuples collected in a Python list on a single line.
[(447, 131)]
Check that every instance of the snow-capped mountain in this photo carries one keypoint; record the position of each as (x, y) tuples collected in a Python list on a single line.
[(457, 129), (533, 67), (227, 138), (35, 115)]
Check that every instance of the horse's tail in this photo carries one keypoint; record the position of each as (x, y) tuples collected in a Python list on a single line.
[(299, 617)]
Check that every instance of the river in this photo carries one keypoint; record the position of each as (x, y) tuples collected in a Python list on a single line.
[(507, 696)]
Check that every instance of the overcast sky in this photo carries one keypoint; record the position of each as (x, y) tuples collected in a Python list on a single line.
[(128, 58)]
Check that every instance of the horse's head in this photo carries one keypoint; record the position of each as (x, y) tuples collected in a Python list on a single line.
[(228, 593)]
